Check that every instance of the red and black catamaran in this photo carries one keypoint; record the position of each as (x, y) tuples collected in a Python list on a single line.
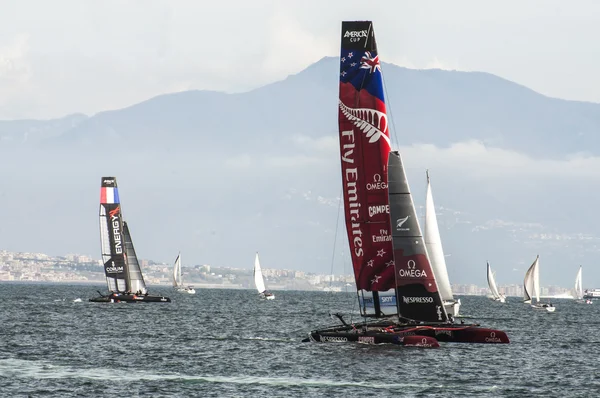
[(396, 287)]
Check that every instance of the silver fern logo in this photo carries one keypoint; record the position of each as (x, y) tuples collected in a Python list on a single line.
[(369, 121), (400, 222)]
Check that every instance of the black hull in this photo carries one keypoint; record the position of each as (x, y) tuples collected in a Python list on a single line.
[(395, 333), (130, 298)]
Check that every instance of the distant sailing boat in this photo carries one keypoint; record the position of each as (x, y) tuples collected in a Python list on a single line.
[(531, 287), (397, 291), (178, 279), (123, 274), (496, 296), (578, 292), (433, 242), (259, 281)]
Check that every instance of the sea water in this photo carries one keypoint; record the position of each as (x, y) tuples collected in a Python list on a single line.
[(230, 343)]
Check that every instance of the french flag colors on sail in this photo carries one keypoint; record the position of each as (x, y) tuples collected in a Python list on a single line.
[(364, 150), (109, 193)]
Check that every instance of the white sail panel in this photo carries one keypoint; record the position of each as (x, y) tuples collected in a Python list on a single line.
[(536, 279), (177, 271), (579, 285), (433, 243), (492, 282), (528, 282), (259, 281)]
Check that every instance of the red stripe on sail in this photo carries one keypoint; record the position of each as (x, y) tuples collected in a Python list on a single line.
[(103, 195)]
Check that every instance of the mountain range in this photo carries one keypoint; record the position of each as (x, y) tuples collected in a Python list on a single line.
[(220, 176)]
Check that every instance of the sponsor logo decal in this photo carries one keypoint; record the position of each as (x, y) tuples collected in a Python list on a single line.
[(382, 237), (379, 209), (493, 338), (116, 226), (350, 181), (443, 331), (376, 184), (366, 339), (411, 271), (334, 339), (417, 300), (371, 122), (424, 343), (114, 270), (114, 212), (354, 36), (439, 312), (400, 222), (356, 33), (108, 181)]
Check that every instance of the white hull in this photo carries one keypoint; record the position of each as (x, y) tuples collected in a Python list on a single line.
[(452, 307), (269, 297), (547, 307), (498, 299), (188, 290)]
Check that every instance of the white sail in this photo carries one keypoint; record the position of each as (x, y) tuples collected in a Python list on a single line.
[(528, 283), (258, 276), (177, 272), (492, 282), (433, 243), (536, 279), (579, 285)]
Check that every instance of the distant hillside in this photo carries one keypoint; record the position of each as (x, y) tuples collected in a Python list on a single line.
[(15, 133), (428, 106), (220, 176)]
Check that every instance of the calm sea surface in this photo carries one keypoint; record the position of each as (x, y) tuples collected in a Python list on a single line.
[(229, 343)]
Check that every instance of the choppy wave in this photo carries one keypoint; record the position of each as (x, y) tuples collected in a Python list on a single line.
[(226, 343)]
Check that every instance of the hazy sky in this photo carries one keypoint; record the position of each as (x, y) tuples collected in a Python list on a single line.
[(64, 56)]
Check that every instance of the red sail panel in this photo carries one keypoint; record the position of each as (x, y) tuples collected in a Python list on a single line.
[(364, 150)]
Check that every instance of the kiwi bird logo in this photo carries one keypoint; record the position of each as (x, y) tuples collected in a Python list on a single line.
[(401, 221)]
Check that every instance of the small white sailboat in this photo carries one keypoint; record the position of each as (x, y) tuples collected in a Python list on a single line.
[(578, 292), (496, 296), (259, 281), (433, 243), (178, 279), (531, 286)]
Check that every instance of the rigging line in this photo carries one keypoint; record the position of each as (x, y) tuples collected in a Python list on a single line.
[(337, 225), (393, 134)]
